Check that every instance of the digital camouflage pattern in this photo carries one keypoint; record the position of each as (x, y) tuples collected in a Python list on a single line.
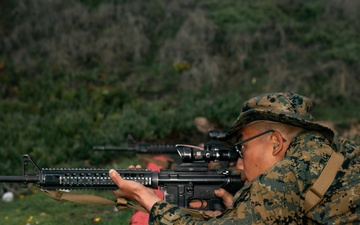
[(283, 107), (277, 196)]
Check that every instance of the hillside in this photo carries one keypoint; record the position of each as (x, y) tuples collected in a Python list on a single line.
[(80, 73)]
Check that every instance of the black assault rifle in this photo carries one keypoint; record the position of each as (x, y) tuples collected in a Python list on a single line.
[(191, 180)]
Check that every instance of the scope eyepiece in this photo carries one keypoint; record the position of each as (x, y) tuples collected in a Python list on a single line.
[(216, 133)]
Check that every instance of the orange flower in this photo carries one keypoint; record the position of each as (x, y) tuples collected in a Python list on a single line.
[(96, 219), (28, 220)]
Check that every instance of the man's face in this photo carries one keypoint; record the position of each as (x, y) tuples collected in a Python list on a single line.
[(257, 154)]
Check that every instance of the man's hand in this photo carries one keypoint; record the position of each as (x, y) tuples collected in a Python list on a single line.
[(226, 197), (132, 190), (146, 197), (221, 193)]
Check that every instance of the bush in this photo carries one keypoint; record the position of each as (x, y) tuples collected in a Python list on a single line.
[(92, 72)]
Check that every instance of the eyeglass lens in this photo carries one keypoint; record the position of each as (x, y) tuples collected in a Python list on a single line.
[(239, 146)]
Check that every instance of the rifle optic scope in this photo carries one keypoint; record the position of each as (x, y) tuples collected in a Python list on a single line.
[(190, 153)]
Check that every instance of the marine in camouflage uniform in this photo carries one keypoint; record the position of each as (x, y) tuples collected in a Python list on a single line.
[(278, 195)]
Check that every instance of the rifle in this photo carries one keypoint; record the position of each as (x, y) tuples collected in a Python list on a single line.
[(145, 149), (191, 180), (151, 148), (141, 148)]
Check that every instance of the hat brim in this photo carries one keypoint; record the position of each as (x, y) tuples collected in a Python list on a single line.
[(254, 115)]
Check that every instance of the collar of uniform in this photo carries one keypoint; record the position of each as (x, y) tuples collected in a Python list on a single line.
[(297, 143)]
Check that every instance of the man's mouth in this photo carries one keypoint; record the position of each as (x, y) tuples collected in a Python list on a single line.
[(243, 178)]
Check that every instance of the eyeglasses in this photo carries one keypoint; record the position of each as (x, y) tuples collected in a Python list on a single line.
[(239, 147)]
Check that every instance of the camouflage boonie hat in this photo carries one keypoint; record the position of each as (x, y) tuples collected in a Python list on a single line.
[(283, 107)]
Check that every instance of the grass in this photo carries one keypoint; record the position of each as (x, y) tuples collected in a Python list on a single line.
[(38, 208)]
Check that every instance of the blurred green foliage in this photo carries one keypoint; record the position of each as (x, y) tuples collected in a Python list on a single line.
[(79, 73)]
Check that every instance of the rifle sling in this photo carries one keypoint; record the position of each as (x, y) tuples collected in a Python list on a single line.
[(315, 193), (120, 203)]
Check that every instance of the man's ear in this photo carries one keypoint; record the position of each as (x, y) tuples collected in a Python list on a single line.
[(277, 140)]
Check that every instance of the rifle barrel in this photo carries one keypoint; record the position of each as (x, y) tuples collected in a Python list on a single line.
[(167, 148), (113, 148), (17, 179)]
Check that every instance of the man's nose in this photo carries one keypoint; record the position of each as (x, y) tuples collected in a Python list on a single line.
[(240, 164)]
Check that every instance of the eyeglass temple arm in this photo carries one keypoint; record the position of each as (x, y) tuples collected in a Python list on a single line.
[(250, 138)]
